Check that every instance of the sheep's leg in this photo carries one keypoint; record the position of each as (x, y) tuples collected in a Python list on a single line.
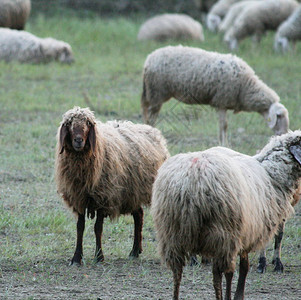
[(138, 221), (244, 267), (217, 280), (223, 125), (78, 254), (277, 249), (262, 264), (177, 276), (98, 234), (152, 114), (229, 277)]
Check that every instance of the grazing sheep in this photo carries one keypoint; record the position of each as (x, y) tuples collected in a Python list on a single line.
[(196, 76), (221, 203), (289, 30), (257, 19), (107, 169), (27, 48), (14, 13), (171, 26), (217, 12), (234, 11)]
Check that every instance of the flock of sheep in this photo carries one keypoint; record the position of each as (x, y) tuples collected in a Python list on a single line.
[(217, 203), (17, 44)]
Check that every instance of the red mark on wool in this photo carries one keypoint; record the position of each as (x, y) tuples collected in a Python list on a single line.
[(195, 160)]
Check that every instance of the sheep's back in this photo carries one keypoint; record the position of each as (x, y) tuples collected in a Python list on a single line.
[(196, 76), (171, 26), (14, 13), (133, 154), (202, 202), (19, 45)]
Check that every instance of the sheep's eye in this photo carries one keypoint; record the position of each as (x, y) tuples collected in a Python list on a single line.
[(89, 123)]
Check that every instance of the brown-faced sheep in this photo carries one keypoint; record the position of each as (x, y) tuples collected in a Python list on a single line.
[(171, 26), (220, 203), (223, 81), (14, 13), (107, 169), (27, 48)]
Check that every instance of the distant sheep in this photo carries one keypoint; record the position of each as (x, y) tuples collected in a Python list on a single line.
[(223, 81), (288, 31), (171, 26), (217, 12), (234, 11), (106, 169), (27, 48), (14, 13), (220, 203), (257, 19)]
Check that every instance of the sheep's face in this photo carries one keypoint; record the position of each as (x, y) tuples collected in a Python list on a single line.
[(77, 133), (281, 44), (213, 21), (278, 119), (57, 50)]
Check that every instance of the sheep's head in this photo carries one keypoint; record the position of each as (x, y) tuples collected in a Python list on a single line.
[(77, 131), (213, 22), (277, 118), (281, 44), (57, 50)]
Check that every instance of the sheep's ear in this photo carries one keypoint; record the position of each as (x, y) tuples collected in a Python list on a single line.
[(92, 137), (62, 137), (295, 150)]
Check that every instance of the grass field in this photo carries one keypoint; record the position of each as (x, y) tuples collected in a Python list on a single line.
[(37, 233)]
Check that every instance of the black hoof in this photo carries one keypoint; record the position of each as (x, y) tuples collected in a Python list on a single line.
[(278, 265), (134, 254), (75, 263)]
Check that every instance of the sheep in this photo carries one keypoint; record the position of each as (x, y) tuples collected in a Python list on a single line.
[(107, 169), (289, 30), (171, 26), (217, 12), (27, 48), (257, 19), (234, 10), (221, 203), (14, 13), (195, 76)]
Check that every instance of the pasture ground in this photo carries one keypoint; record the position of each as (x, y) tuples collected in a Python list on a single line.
[(37, 233)]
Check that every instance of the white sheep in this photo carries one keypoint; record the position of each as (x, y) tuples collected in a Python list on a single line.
[(234, 11), (288, 31), (170, 26), (223, 81), (27, 48), (257, 19), (14, 13), (220, 203), (217, 12)]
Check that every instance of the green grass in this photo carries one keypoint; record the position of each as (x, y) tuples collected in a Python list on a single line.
[(37, 233)]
